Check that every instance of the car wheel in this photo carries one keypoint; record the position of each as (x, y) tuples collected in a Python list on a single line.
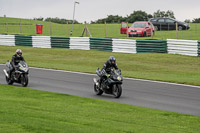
[(145, 34), (156, 28), (180, 28)]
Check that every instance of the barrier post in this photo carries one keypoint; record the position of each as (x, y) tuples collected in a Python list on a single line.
[(176, 30), (105, 30), (7, 25), (67, 29), (152, 35), (127, 30), (20, 26), (50, 29)]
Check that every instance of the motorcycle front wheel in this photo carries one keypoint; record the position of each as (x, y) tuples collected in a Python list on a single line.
[(24, 80), (97, 90), (117, 90), (9, 81)]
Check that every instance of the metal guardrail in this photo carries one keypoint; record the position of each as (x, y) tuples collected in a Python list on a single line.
[(151, 46), (171, 46), (80, 43), (21, 40), (60, 42), (7, 40), (102, 44), (124, 45), (41, 41), (183, 47)]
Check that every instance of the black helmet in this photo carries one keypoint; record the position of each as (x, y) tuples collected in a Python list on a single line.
[(112, 60), (19, 52)]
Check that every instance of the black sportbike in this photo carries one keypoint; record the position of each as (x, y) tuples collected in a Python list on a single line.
[(111, 83), (19, 75)]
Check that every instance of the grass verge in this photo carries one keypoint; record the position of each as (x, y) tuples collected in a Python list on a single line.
[(97, 30), (28, 110), (161, 67)]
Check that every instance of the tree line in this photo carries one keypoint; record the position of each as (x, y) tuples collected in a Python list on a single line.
[(135, 16), (57, 20)]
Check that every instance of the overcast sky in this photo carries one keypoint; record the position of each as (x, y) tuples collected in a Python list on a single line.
[(91, 10)]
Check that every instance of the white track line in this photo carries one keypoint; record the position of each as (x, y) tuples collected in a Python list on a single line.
[(144, 80)]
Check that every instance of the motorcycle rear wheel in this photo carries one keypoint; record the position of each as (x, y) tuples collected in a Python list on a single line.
[(117, 90)]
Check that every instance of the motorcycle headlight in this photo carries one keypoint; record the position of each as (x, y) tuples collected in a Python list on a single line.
[(24, 69), (119, 78)]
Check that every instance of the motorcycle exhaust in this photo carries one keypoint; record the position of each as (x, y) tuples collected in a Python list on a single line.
[(5, 72), (95, 81)]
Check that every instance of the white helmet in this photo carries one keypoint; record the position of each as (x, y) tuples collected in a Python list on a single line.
[(19, 52)]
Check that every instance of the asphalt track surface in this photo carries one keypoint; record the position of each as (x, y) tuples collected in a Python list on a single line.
[(151, 94)]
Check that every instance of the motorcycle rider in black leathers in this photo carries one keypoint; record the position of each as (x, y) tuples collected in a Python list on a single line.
[(15, 60), (109, 64)]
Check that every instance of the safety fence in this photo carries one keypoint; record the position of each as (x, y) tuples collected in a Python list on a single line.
[(60, 42), (171, 46), (198, 48), (184, 47), (80, 43), (102, 44), (106, 30), (124, 45), (7, 40), (151, 46)]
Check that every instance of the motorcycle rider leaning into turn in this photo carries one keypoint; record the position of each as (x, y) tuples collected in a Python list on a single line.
[(16, 58), (109, 64)]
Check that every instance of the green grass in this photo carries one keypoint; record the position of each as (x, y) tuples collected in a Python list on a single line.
[(97, 30), (28, 110), (161, 67)]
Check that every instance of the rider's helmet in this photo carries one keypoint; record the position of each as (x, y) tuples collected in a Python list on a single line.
[(112, 60), (19, 52)]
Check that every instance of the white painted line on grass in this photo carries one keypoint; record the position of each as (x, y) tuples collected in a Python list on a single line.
[(144, 80)]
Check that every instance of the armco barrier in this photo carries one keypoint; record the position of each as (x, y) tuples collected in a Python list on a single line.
[(60, 42), (41, 41), (184, 47), (151, 46), (102, 44), (124, 45), (172, 46), (7, 40), (80, 43), (21, 40)]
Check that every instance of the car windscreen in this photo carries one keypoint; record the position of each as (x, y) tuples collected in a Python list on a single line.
[(124, 24), (138, 25)]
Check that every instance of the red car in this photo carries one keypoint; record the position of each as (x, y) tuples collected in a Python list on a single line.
[(123, 29), (140, 29)]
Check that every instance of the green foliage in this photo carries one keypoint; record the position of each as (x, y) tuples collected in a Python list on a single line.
[(110, 19), (25, 110), (187, 21), (60, 21), (196, 20), (39, 19), (168, 13), (135, 16)]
